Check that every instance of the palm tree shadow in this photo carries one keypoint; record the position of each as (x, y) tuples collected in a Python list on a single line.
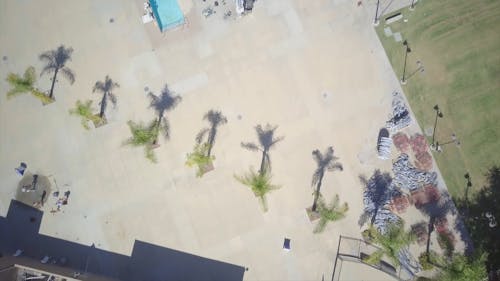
[(216, 119), (267, 140), (325, 162), (163, 103), (377, 193), (56, 63), (437, 211), (106, 88)]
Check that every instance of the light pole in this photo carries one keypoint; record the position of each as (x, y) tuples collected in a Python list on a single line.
[(376, 21), (407, 50), (469, 185), (412, 6), (454, 140), (440, 115)]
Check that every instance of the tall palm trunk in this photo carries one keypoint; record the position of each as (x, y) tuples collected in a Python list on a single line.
[(374, 216), (211, 139), (158, 123), (51, 94), (103, 104), (316, 194), (429, 231), (263, 162)]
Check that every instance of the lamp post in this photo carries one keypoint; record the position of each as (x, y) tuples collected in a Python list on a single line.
[(412, 6), (420, 67), (454, 140), (407, 50), (376, 21), (469, 185), (440, 115)]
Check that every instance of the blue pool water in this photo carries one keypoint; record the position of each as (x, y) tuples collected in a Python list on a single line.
[(167, 13)]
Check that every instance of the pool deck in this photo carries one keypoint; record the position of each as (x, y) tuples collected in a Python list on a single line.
[(315, 68)]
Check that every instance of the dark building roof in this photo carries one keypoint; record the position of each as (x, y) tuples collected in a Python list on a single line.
[(20, 230)]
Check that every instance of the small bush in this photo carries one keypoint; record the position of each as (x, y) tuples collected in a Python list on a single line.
[(428, 263), (446, 244)]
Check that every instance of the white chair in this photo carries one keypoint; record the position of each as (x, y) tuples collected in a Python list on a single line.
[(147, 18)]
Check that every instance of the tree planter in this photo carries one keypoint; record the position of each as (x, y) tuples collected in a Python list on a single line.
[(207, 168), (46, 100), (313, 216), (98, 121)]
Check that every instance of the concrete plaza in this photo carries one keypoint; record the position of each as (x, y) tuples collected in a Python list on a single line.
[(314, 68)]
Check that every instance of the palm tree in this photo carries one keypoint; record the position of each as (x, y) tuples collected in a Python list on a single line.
[(266, 142), (462, 268), (325, 162), (216, 119), (161, 104), (259, 183), (392, 243), (436, 211), (25, 84), (200, 159), (378, 191), (21, 85), (143, 135), (333, 212), (84, 110), (106, 89), (55, 63)]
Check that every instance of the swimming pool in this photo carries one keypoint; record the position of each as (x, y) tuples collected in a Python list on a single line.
[(167, 13)]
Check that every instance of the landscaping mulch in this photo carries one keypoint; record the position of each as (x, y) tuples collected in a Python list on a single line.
[(401, 142), (418, 144), (423, 161)]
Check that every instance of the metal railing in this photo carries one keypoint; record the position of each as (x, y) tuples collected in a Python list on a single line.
[(356, 250)]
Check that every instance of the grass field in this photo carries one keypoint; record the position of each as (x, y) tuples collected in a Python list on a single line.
[(458, 43)]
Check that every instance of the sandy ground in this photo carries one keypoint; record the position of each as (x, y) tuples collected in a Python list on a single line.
[(315, 68)]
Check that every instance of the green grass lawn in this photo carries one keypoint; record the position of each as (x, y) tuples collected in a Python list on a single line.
[(458, 43)]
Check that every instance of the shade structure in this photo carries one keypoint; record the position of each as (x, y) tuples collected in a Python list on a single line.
[(167, 13)]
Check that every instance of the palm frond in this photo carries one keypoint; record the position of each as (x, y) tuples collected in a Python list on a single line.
[(48, 69), (201, 135), (47, 56), (250, 146), (143, 135), (333, 212), (69, 74), (374, 258), (98, 87), (84, 111), (112, 98), (20, 84), (335, 166), (30, 75), (164, 102), (276, 140), (317, 156), (393, 240), (260, 184)]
